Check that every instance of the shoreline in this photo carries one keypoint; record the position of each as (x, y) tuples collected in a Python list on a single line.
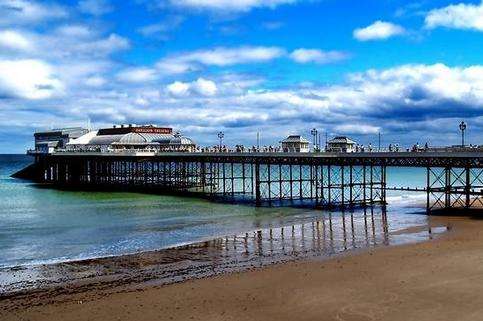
[(210, 259)]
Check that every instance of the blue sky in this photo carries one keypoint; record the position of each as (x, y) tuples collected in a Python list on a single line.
[(411, 70)]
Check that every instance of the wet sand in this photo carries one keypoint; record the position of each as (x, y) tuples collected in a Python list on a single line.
[(323, 237), (441, 279)]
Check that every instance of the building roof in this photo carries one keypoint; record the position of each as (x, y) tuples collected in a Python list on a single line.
[(295, 139), (341, 140), (165, 140), (71, 131), (105, 138), (143, 129), (92, 138), (181, 140), (84, 139)]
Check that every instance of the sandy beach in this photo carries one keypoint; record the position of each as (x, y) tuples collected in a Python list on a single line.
[(441, 279)]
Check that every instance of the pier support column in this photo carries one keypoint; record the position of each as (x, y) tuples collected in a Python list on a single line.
[(203, 176), (454, 188), (269, 184), (351, 186), (383, 185), (467, 187), (258, 196), (428, 188), (447, 190), (364, 185)]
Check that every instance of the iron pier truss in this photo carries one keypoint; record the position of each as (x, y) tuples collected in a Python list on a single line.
[(454, 180)]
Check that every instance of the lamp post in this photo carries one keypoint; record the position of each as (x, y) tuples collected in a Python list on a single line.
[(379, 142), (462, 128), (220, 136), (314, 135)]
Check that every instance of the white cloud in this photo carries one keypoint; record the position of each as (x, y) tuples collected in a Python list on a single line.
[(459, 16), (303, 55), (200, 87), (82, 45), (161, 29), (107, 45), (172, 66), (13, 40), (366, 103), (29, 79), (79, 31), (74, 61), (379, 30), (178, 89), (229, 5), (66, 43), (204, 87), (62, 60), (84, 75), (219, 56), (95, 81), (419, 85), (24, 12), (222, 56), (136, 75), (95, 7)]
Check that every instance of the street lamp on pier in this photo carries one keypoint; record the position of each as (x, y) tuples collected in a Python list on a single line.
[(220, 137), (314, 135), (462, 128)]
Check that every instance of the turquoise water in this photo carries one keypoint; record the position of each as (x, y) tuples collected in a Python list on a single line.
[(40, 225)]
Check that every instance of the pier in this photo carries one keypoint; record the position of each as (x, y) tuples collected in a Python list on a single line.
[(321, 180)]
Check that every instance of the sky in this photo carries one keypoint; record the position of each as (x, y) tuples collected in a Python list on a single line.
[(410, 70)]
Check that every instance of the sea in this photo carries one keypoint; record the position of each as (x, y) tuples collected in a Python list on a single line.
[(41, 225)]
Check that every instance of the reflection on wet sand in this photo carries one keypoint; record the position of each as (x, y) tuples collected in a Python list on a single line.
[(329, 234)]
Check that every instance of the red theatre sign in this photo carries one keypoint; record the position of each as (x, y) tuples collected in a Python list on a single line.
[(140, 130), (152, 130)]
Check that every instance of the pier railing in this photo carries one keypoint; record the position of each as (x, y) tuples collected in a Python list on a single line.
[(453, 150)]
